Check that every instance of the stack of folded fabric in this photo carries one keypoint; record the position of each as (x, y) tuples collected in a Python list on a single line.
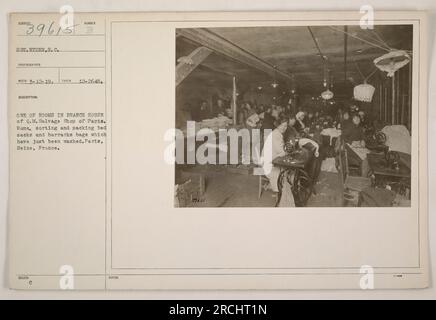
[(220, 122)]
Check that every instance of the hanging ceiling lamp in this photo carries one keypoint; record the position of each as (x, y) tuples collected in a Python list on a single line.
[(275, 84), (293, 89), (364, 92), (327, 94), (392, 61), (324, 82), (389, 62)]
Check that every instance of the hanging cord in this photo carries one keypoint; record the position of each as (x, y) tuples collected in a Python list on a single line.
[(365, 79), (375, 45), (381, 40), (361, 39), (370, 75), (358, 69), (316, 44), (322, 56)]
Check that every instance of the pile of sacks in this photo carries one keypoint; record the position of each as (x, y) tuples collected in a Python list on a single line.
[(220, 122)]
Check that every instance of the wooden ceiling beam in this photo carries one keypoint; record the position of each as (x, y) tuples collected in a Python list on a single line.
[(323, 57), (187, 64), (208, 39)]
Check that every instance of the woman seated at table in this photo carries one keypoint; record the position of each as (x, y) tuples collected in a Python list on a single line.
[(299, 124), (253, 121), (291, 133), (308, 141), (277, 150), (353, 133), (276, 113), (344, 121), (267, 120), (244, 113), (310, 119)]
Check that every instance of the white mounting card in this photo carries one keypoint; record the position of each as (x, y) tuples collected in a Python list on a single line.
[(93, 99)]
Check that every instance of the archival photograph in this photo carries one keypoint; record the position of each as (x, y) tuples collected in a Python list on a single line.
[(231, 151), (293, 116)]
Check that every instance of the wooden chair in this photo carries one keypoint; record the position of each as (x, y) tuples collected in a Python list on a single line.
[(262, 180), (352, 185)]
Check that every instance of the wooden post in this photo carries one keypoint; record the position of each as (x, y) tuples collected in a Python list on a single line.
[(403, 96), (393, 100), (234, 104), (409, 93), (398, 98), (380, 101), (385, 104), (345, 52)]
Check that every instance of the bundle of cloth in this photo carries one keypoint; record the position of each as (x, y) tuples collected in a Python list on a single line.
[(398, 138)]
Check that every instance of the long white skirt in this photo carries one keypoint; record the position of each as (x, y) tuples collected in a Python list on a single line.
[(287, 198), (273, 177)]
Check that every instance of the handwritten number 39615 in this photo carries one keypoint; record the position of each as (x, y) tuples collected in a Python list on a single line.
[(48, 29)]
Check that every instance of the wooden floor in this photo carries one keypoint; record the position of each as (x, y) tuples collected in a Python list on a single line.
[(224, 189)]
